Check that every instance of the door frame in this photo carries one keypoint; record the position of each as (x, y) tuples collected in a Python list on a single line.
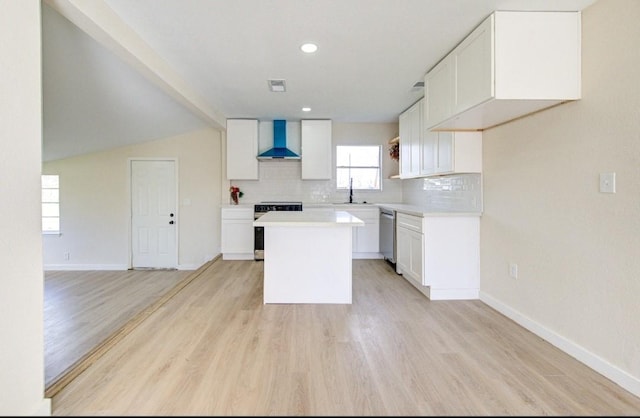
[(130, 161)]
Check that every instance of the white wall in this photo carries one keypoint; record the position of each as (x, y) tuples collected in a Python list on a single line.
[(95, 208), (281, 180), (21, 300), (577, 250)]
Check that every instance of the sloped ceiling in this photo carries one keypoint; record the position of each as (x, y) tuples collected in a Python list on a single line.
[(371, 53)]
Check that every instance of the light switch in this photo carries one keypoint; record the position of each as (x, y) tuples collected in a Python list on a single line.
[(607, 182)]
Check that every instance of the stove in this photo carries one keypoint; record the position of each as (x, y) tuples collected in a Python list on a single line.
[(260, 209), (264, 207)]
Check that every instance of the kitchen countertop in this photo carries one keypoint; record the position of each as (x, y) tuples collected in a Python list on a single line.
[(303, 219), (416, 210), (422, 211)]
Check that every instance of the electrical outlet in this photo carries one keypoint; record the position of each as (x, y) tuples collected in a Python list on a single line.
[(67, 255), (607, 182), (513, 270)]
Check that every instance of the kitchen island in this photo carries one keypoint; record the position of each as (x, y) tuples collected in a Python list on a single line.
[(307, 256)]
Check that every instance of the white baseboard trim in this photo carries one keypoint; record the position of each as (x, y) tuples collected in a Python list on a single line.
[(600, 365), (42, 410), (366, 256), (71, 267), (238, 256), (452, 294)]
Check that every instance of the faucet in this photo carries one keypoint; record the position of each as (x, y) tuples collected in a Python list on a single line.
[(351, 190)]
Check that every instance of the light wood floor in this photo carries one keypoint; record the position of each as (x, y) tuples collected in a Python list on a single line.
[(215, 349), (84, 308)]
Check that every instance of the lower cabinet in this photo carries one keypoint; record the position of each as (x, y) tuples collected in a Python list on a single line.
[(440, 255), (410, 248), (237, 234), (365, 239)]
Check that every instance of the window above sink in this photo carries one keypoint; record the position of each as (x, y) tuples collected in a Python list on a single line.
[(358, 167)]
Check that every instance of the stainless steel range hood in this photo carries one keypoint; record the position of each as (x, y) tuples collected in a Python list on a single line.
[(279, 150)]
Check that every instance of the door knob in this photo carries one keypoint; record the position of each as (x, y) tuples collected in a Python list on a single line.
[(170, 222)]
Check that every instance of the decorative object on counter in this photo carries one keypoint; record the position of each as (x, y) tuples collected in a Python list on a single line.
[(394, 149), (235, 194)]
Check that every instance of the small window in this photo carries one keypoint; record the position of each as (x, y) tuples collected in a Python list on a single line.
[(360, 163), (50, 204)]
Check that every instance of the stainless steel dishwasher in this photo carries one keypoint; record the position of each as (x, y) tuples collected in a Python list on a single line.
[(388, 234)]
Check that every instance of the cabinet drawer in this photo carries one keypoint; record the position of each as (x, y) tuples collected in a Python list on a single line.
[(237, 213), (413, 223)]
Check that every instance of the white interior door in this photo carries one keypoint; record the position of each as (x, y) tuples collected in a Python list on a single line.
[(153, 214)]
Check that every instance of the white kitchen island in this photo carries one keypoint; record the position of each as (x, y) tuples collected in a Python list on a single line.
[(307, 256)]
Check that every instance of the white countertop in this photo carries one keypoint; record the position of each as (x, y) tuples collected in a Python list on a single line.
[(302, 218), (422, 211), (416, 210)]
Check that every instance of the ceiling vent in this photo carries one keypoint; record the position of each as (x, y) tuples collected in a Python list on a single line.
[(277, 86)]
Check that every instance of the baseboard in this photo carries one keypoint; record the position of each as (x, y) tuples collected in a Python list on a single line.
[(73, 267), (43, 409), (600, 365), (238, 256), (366, 256), (452, 294)]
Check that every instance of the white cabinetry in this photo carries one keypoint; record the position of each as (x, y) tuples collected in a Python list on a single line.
[(440, 255), (438, 91), (450, 152), (237, 233), (366, 239), (242, 149), (409, 247), (511, 65), (410, 126), (316, 149)]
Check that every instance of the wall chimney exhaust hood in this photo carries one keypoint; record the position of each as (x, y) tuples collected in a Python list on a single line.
[(279, 149)]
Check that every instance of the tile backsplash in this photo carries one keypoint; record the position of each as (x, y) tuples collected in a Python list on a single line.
[(281, 181), (451, 193)]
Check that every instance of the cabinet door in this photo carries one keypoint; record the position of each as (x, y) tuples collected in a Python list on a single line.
[(474, 82), (438, 91), (316, 149), (405, 144), (237, 236), (445, 152), (368, 238), (416, 138), (242, 149), (416, 255), (409, 249), (403, 250), (429, 153), (410, 122)]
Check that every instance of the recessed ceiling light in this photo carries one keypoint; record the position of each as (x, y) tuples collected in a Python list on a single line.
[(306, 109), (309, 48)]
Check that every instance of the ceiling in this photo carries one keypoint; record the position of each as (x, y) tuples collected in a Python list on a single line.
[(221, 53)]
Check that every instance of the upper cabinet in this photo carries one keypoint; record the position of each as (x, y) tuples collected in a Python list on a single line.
[(426, 153), (316, 149), (410, 127), (451, 152), (242, 148), (511, 65)]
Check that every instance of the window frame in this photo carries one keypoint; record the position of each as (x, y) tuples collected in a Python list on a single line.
[(350, 166)]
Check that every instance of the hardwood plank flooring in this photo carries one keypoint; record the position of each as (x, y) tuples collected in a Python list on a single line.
[(84, 308), (215, 349)]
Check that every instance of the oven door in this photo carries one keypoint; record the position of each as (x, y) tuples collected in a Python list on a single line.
[(258, 239)]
